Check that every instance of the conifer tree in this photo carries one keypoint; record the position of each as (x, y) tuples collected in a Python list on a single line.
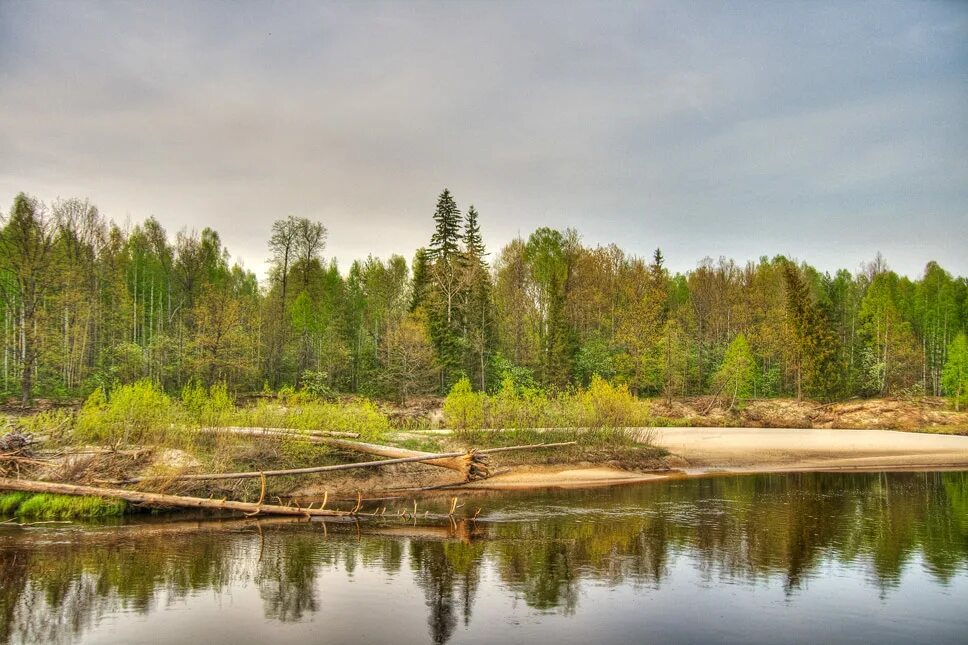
[(477, 306), (447, 287), (421, 278), (473, 243), (445, 242)]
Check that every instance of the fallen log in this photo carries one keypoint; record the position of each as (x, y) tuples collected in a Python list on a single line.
[(419, 457), (278, 432), (160, 500), (288, 471), (472, 465)]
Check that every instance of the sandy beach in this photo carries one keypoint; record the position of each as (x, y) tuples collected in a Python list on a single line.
[(776, 449), (701, 451)]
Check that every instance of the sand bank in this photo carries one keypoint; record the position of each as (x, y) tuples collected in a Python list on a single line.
[(784, 449)]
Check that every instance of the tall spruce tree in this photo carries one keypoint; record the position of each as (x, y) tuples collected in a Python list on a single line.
[(477, 306), (473, 243), (445, 242), (420, 282), (447, 287)]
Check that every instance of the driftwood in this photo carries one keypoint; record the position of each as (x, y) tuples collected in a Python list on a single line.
[(415, 456), (469, 466), (472, 465), (309, 435), (166, 501)]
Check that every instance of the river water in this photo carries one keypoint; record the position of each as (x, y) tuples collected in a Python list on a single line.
[(765, 558)]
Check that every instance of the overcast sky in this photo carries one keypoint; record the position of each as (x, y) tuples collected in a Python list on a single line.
[(823, 131)]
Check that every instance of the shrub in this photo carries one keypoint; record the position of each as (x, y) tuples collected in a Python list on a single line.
[(464, 408), (134, 413), (317, 384), (602, 405), (207, 407), (607, 405)]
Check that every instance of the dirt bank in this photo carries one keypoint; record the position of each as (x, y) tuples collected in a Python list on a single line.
[(910, 413)]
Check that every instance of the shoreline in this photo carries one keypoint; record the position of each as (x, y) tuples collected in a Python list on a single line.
[(707, 452)]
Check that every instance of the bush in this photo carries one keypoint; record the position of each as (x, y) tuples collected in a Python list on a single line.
[(209, 407), (464, 408), (135, 413), (602, 405), (317, 384), (607, 405)]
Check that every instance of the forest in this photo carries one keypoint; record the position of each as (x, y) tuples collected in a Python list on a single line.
[(88, 304)]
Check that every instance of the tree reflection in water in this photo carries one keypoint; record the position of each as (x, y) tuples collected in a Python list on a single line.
[(57, 584)]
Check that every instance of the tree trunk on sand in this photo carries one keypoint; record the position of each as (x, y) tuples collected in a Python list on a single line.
[(472, 465)]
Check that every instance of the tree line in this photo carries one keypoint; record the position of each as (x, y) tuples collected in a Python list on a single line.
[(87, 303)]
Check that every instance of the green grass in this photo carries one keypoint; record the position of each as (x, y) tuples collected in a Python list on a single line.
[(955, 430), (10, 502), (428, 444), (42, 506)]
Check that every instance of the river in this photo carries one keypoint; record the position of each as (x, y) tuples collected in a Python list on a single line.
[(760, 558)]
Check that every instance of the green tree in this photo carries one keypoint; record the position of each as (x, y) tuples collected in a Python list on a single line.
[(550, 254), (26, 243), (737, 373), (448, 287), (955, 375), (445, 242), (816, 351), (477, 306)]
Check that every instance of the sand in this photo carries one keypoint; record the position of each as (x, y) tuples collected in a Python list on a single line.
[(785, 449), (571, 476), (702, 451)]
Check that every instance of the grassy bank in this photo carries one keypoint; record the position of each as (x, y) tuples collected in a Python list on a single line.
[(35, 506), (138, 429)]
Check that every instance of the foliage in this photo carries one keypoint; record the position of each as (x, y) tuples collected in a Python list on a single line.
[(955, 377), (601, 405), (463, 407), (88, 304), (136, 413), (317, 384), (208, 407), (737, 374)]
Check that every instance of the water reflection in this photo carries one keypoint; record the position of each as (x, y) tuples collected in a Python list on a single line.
[(540, 549)]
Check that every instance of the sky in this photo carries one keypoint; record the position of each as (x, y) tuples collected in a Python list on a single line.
[(822, 131)]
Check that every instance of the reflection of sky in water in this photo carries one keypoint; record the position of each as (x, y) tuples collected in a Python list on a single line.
[(765, 558)]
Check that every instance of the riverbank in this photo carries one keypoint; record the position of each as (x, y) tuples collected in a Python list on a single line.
[(116, 442), (698, 451)]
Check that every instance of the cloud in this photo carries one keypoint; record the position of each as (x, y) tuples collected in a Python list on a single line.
[(735, 130)]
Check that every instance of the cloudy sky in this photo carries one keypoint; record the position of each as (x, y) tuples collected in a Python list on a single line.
[(824, 131)]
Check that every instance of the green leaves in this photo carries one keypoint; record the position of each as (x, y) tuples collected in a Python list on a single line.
[(955, 375), (737, 373)]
